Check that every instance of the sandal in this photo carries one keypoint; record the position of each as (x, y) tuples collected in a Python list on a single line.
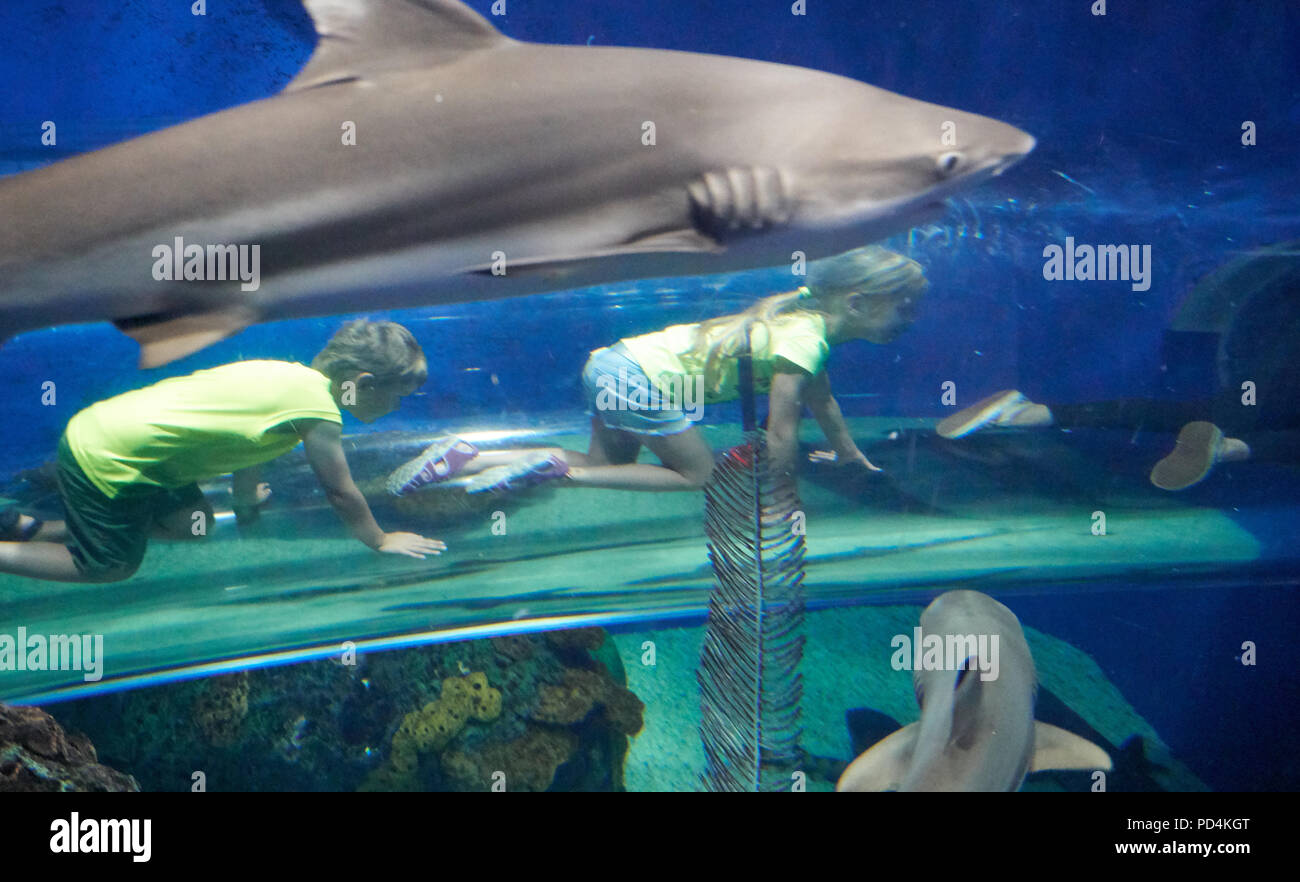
[(439, 461), (1006, 408), (1192, 458)]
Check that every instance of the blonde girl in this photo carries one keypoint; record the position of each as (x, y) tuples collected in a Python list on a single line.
[(646, 390)]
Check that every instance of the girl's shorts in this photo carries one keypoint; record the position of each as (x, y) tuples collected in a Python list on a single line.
[(611, 382)]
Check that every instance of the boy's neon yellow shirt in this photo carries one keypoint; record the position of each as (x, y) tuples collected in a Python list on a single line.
[(798, 337), (192, 428)]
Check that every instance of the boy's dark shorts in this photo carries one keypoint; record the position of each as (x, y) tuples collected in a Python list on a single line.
[(109, 536)]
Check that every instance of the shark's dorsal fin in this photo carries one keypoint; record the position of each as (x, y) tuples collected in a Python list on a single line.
[(883, 766), (358, 37), (1055, 748)]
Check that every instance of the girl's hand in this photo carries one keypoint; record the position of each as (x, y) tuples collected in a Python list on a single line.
[(857, 456), (411, 545)]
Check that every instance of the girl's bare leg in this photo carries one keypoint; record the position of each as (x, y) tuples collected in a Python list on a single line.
[(610, 461), (687, 463), (492, 458), (607, 446)]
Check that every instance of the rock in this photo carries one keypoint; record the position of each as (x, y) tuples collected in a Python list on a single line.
[(580, 692), (515, 647), (576, 639), (527, 763), (37, 756)]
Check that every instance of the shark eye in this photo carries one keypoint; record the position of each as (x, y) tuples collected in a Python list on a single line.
[(949, 163)]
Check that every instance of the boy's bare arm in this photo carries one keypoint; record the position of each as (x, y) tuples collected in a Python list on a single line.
[(243, 486), (245, 498), (321, 440)]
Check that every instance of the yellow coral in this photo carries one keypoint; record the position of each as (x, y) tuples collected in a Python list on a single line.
[(488, 705), (432, 727), (404, 758), (474, 695)]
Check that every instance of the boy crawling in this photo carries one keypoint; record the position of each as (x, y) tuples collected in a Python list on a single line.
[(129, 466)]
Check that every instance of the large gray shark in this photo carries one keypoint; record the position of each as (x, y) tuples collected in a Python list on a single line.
[(483, 167), (976, 733)]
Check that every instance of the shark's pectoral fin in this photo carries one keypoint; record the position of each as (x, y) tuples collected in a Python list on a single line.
[(883, 766), (1055, 748), (166, 338), (689, 239), (357, 37)]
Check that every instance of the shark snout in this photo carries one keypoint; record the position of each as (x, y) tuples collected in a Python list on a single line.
[(1022, 143)]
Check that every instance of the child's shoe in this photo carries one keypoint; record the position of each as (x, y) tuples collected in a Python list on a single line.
[(12, 528), (1200, 445), (439, 461), (1006, 408)]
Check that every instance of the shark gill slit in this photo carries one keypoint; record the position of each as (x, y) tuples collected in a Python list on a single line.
[(726, 201)]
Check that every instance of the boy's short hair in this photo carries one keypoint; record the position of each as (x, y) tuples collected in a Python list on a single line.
[(385, 349)]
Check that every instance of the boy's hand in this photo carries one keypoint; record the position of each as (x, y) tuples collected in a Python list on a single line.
[(263, 493), (248, 511), (411, 545)]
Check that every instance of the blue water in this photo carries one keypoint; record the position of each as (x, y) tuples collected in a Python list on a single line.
[(1138, 118)]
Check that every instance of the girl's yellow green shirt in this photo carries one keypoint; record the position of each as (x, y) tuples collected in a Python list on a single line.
[(798, 337)]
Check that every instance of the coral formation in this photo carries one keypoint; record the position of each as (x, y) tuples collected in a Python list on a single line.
[(431, 728), (437, 717), (589, 704), (220, 709), (515, 647), (527, 764), (582, 691), (38, 756)]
